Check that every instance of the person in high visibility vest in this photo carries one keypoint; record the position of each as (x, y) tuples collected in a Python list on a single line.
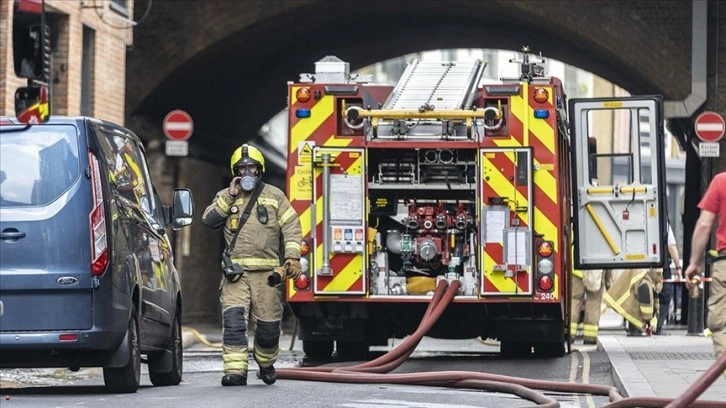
[(587, 289)]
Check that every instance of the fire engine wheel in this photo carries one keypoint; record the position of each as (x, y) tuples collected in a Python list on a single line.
[(352, 350), (317, 349)]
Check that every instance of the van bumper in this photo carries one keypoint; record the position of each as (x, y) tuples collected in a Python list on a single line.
[(45, 349)]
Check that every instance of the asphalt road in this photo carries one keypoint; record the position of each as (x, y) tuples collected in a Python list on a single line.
[(201, 387)]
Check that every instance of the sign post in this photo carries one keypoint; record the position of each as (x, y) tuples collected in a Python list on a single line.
[(710, 128), (178, 127)]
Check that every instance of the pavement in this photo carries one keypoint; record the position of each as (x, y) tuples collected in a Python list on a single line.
[(654, 366)]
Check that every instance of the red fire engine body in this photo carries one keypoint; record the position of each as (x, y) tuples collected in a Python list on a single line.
[(437, 177)]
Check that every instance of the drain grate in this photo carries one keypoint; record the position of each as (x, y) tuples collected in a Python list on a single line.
[(670, 356)]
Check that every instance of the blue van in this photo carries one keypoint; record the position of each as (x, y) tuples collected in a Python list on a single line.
[(87, 274)]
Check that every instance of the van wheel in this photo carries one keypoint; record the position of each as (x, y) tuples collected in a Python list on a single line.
[(174, 376), (126, 379)]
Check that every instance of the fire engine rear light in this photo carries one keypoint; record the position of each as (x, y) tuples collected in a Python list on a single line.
[(67, 337), (541, 95), (302, 113), (97, 221), (304, 247), (541, 113), (545, 266), (302, 283), (303, 94), (544, 283), (544, 249)]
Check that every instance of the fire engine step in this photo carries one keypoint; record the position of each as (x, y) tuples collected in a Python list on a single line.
[(444, 85)]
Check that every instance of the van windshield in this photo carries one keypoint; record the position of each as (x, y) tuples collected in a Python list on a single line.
[(37, 165)]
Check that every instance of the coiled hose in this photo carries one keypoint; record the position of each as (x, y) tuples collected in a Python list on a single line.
[(375, 372)]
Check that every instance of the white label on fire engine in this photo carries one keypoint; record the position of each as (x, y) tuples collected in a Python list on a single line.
[(516, 246), (346, 198), (495, 221)]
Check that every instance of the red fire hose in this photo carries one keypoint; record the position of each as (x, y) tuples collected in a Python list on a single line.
[(375, 372)]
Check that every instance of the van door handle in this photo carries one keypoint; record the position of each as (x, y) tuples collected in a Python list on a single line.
[(11, 234)]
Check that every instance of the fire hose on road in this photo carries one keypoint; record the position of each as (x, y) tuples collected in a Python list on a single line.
[(376, 372)]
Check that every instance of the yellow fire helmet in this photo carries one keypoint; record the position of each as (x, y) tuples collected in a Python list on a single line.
[(246, 155)]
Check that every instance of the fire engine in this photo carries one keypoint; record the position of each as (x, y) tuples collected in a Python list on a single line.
[(441, 177)]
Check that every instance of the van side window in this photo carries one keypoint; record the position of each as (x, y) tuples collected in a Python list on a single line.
[(127, 169)]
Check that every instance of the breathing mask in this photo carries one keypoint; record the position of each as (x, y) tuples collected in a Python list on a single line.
[(249, 180)]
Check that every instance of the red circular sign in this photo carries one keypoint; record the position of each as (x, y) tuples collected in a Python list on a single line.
[(710, 126), (178, 125)]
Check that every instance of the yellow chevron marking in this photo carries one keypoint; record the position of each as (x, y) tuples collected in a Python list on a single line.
[(503, 187), (337, 142), (306, 217), (503, 285), (546, 182), (511, 142), (542, 177), (542, 131), (543, 225), (344, 279), (305, 127), (356, 168)]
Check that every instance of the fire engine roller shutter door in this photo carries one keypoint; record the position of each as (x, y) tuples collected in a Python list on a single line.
[(346, 248), (506, 220)]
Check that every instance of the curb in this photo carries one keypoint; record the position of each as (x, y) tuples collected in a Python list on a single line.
[(626, 375)]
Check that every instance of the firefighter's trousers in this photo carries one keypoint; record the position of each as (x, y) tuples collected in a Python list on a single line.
[(717, 305), (592, 301), (250, 301), (635, 296)]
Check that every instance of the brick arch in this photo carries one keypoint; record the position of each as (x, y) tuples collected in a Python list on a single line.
[(227, 62)]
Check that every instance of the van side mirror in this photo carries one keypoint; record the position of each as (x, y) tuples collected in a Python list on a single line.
[(182, 209)]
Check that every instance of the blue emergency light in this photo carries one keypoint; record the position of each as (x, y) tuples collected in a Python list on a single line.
[(302, 113), (541, 113)]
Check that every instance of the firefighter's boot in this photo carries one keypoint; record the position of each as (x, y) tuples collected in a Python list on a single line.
[(267, 375), (234, 379)]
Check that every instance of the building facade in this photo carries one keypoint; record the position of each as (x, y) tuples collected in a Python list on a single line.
[(88, 42)]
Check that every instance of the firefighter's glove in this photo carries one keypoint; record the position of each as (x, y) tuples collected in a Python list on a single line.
[(293, 268), (277, 276)]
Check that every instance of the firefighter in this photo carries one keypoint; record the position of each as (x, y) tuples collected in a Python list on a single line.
[(252, 235), (635, 297), (587, 288)]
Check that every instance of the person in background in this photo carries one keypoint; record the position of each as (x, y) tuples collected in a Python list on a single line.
[(587, 289), (635, 297), (713, 207), (666, 295)]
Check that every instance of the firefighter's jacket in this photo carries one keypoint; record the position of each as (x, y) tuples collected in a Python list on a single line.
[(634, 296), (258, 244)]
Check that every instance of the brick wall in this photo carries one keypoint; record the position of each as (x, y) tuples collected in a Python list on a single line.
[(68, 18)]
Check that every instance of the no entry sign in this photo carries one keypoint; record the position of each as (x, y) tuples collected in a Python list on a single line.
[(710, 126), (178, 125)]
